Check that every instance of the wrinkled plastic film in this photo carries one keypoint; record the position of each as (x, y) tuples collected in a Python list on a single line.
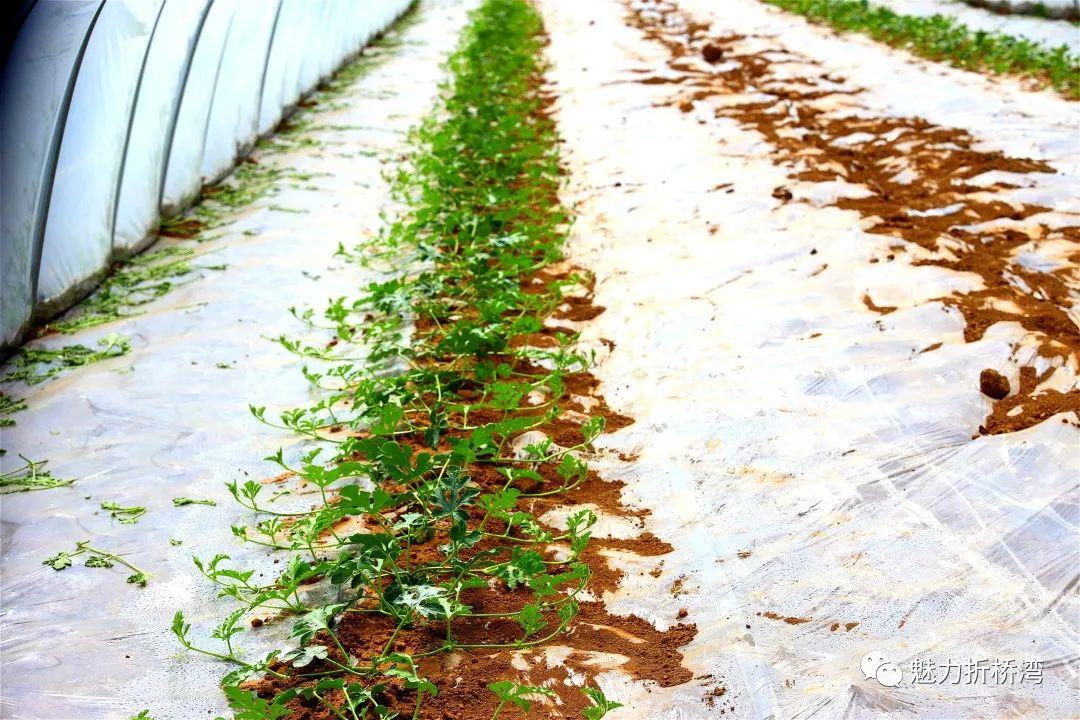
[(78, 231), (182, 176), (814, 470), (35, 82), (233, 116), (159, 98)]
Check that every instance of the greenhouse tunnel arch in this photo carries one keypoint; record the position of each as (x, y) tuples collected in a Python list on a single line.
[(96, 155)]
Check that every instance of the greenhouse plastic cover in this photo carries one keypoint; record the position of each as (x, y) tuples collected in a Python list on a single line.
[(189, 135), (78, 229), (115, 114), (167, 62), (1041, 30), (1069, 9), (45, 52), (230, 128)]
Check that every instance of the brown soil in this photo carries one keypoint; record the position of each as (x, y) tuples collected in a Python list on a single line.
[(714, 700), (879, 309), (712, 53), (993, 384), (819, 145), (1029, 406), (789, 620), (578, 310), (183, 229), (462, 676)]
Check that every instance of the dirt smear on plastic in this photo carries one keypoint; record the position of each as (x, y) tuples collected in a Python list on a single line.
[(922, 187)]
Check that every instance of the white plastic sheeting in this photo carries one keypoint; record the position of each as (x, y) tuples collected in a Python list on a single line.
[(281, 59), (109, 125), (230, 129), (1050, 8), (189, 136), (280, 89), (37, 81), (166, 69), (814, 471), (78, 230), (310, 64)]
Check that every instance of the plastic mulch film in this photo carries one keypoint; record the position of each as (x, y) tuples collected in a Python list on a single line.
[(158, 102), (78, 231), (816, 465), (41, 66)]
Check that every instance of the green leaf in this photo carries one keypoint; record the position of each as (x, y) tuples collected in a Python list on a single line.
[(123, 515), (507, 396), (30, 477), (592, 428), (577, 529), (312, 622), (387, 420), (355, 501), (429, 601), (403, 667), (545, 585), (523, 566), (600, 704), (59, 561), (530, 620), (571, 469), (501, 501), (303, 656), (462, 538), (518, 694), (249, 706), (452, 495), (180, 628)]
